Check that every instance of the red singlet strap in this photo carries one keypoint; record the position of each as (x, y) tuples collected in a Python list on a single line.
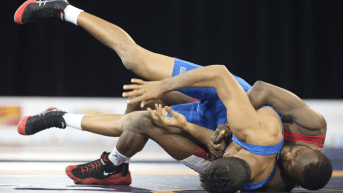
[(194, 100), (314, 139)]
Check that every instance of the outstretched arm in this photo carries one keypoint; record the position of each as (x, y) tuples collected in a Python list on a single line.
[(241, 116), (289, 105)]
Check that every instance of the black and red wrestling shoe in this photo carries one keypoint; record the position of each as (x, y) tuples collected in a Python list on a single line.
[(101, 171), (34, 10), (51, 117)]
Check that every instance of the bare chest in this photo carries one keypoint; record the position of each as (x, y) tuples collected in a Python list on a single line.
[(261, 165)]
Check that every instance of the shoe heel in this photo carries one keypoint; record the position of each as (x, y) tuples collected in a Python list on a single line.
[(18, 16)]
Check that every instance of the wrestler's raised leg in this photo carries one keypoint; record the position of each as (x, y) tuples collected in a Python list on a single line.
[(142, 62)]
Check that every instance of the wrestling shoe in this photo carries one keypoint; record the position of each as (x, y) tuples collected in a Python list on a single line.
[(101, 171), (51, 117), (34, 10)]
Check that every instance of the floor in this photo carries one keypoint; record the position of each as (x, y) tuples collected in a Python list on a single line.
[(147, 177)]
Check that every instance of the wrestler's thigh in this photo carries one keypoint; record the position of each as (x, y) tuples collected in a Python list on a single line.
[(152, 66), (176, 142)]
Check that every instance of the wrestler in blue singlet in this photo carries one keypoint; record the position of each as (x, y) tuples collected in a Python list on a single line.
[(209, 112)]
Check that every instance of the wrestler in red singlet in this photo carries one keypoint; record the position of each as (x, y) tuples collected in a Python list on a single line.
[(290, 136)]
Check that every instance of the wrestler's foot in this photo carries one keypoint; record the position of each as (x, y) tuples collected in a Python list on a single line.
[(101, 171), (51, 117), (34, 10)]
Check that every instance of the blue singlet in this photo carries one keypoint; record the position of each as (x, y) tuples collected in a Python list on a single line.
[(210, 112)]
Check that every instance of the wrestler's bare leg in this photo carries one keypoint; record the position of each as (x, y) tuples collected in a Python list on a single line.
[(106, 124), (137, 127), (111, 125), (142, 62), (176, 142)]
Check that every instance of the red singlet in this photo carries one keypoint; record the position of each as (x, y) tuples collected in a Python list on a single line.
[(314, 139)]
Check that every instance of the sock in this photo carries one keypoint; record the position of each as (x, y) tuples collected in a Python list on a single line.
[(73, 120), (117, 158), (71, 14)]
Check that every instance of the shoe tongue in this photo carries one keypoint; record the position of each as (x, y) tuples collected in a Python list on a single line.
[(103, 162), (104, 159)]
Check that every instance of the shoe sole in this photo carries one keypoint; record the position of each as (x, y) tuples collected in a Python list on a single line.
[(18, 16), (22, 123), (124, 181)]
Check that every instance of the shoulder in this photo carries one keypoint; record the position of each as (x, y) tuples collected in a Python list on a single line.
[(269, 129)]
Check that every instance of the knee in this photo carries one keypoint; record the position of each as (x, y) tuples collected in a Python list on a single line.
[(140, 123), (132, 57)]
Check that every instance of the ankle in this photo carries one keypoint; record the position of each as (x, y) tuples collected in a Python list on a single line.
[(71, 14), (73, 120), (117, 158)]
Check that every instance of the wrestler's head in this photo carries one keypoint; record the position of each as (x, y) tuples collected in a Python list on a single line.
[(228, 174), (308, 168)]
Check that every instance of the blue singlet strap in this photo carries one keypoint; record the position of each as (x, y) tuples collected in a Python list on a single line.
[(260, 150), (260, 184)]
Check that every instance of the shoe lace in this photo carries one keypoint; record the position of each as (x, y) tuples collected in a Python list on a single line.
[(91, 166)]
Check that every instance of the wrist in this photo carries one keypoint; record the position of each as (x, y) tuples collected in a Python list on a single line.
[(165, 86), (186, 126)]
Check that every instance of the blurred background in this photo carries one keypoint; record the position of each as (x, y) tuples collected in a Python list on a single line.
[(295, 44)]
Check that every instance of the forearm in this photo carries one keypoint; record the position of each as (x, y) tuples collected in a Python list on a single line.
[(201, 134), (287, 104), (267, 94)]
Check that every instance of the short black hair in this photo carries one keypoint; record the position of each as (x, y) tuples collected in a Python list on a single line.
[(224, 175), (316, 175)]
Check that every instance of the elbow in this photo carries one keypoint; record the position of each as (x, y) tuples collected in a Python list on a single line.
[(257, 94), (220, 70), (217, 73), (323, 124), (259, 85)]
